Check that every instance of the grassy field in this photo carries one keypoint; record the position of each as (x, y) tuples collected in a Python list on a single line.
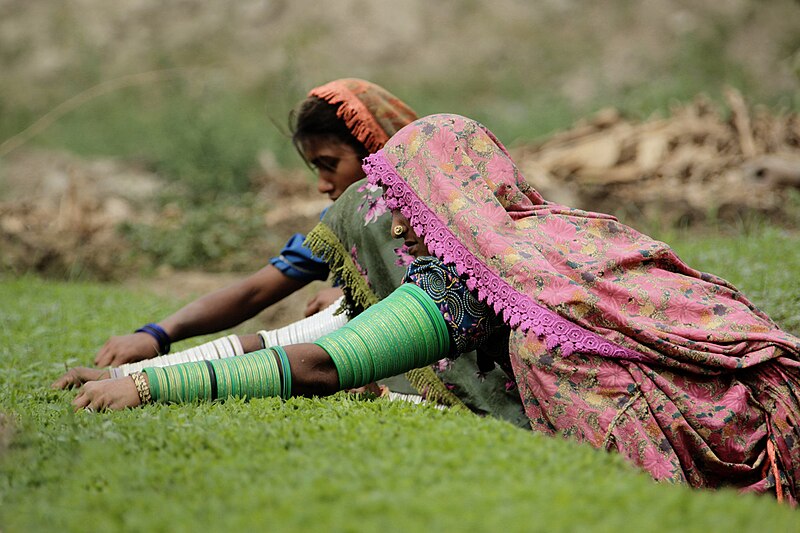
[(336, 464), (198, 92)]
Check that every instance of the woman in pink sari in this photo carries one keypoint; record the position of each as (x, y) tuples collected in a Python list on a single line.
[(610, 338), (613, 339)]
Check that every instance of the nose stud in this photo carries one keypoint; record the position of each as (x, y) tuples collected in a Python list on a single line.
[(398, 230)]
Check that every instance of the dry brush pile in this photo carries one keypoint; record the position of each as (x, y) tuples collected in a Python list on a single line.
[(697, 164), (61, 215)]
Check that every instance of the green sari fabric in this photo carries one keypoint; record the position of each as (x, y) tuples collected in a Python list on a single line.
[(370, 265)]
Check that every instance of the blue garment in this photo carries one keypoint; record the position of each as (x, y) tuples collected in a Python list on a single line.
[(470, 321), (297, 262)]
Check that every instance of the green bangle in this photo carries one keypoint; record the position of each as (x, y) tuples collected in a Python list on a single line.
[(286, 372), (404, 331), (253, 375), (155, 388)]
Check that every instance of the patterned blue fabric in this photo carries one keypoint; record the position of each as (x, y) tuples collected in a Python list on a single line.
[(472, 325), (470, 322)]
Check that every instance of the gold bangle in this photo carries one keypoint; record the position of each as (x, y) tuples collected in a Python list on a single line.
[(142, 387)]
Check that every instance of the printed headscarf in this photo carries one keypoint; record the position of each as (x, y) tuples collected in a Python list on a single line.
[(371, 113), (580, 281)]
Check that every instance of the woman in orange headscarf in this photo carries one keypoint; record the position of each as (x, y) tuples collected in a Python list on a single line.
[(335, 127)]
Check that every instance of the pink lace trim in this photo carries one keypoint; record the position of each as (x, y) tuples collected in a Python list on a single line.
[(518, 310)]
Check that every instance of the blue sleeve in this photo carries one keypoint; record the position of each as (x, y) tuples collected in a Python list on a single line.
[(297, 261)]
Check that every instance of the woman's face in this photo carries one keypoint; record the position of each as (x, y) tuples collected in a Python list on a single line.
[(336, 163), (401, 229)]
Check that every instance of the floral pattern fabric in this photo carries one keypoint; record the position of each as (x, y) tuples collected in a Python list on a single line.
[(615, 341)]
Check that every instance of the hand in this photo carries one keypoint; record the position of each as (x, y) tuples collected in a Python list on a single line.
[(126, 349), (371, 388), (250, 342), (112, 394), (78, 376), (322, 300)]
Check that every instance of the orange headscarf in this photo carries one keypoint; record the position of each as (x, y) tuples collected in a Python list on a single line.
[(372, 113)]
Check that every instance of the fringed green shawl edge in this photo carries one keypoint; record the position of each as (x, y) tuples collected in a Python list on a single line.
[(322, 241)]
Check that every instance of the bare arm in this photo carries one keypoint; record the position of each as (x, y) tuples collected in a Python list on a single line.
[(77, 376), (213, 312), (313, 370), (231, 305)]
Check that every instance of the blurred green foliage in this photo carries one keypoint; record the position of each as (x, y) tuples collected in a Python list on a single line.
[(205, 139), (222, 236)]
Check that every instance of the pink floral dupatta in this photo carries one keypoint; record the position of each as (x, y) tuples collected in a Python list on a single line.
[(614, 339)]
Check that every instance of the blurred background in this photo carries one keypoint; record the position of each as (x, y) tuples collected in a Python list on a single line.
[(143, 137)]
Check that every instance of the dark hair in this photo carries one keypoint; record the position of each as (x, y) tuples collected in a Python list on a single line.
[(315, 117)]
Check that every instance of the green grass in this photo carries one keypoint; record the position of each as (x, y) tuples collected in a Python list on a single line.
[(336, 464)]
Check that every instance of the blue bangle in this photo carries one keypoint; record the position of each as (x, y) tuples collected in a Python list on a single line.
[(158, 333)]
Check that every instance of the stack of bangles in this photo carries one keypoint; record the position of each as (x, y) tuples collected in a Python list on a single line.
[(306, 330), (220, 348), (157, 332), (404, 331), (258, 374)]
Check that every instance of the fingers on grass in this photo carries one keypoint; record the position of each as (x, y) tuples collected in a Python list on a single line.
[(102, 359), (67, 381), (80, 401)]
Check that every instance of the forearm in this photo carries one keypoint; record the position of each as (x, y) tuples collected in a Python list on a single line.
[(211, 313), (403, 332), (306, 330), (259, 374), (231, 305), (221, 348)]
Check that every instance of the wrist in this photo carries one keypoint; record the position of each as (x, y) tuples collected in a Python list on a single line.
[(142, 387), (251, 343), (161, 337)]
